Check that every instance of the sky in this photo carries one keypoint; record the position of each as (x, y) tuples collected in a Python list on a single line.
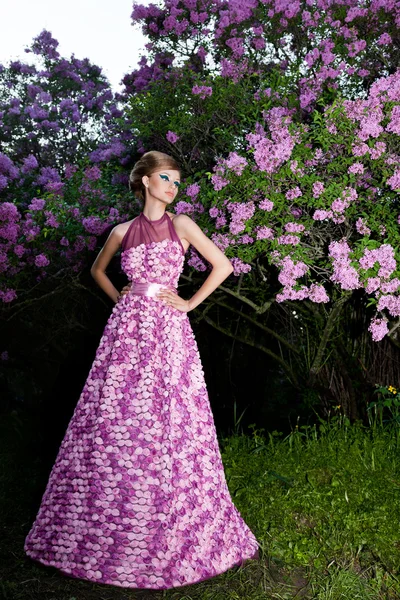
[(100, 30)]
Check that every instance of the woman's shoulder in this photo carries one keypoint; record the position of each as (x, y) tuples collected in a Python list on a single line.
[(181, 218), (121, 229)]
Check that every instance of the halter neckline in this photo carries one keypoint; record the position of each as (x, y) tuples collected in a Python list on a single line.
[(155, 220), (144, 231)]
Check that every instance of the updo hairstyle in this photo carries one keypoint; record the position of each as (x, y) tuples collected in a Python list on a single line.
[(146, 165)]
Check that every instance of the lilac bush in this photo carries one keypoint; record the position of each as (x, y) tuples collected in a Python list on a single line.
[(58, 230), (54, 115), (52, 110), (306, 164), (315, 46), (284, 117), (345, 233)]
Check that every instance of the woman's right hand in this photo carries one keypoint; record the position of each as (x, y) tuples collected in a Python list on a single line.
[(125, 289)]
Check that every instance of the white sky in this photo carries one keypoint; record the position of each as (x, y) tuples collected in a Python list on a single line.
[(100, 30)]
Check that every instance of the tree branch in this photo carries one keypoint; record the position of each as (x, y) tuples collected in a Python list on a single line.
[(330, 323), (258, 346), (259, 325), (258, 309)]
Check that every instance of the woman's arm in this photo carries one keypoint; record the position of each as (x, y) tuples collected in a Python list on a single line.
[(101, 263), (222, 267)]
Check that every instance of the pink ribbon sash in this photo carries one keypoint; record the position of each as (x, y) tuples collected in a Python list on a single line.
[(149, 288)]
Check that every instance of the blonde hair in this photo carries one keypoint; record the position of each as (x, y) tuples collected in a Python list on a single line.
[(146, 165)]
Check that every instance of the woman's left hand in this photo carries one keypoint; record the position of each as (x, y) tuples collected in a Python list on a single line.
[(172, 299)]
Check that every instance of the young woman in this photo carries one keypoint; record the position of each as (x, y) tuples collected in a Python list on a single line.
[(137, 496)]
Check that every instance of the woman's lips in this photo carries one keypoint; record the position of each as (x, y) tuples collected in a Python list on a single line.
[(170, 194)]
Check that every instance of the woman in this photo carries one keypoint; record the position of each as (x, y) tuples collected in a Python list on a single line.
[(137, 496)]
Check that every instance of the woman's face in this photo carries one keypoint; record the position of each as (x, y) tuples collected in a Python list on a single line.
[(162, 185)]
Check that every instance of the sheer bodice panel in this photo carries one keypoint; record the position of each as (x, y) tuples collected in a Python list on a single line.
[(144, 231), (152, 251)]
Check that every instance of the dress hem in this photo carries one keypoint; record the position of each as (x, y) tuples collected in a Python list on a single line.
[(64, 571)]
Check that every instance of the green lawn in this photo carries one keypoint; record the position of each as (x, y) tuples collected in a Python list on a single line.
[(323, 502)]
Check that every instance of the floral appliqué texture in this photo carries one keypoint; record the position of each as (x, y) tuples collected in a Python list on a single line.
[(137, 496)]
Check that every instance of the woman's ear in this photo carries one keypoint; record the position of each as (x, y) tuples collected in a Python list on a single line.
[(145, 181)]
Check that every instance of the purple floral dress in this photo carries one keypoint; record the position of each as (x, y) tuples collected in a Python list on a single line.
[(137, 496)]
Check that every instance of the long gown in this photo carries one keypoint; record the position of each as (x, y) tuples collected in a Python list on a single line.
[(137, 496)]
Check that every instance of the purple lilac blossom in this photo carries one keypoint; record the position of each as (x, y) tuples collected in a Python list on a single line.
[(236, 163), (221, 240), (293, 193), (321, 215), (37, 204), (294, 227), (362, 227), (264, 233), (172, 137), (266, 204), (318, 189), (48, 175), (394, 181), (94, 225), (183, 207), (373, 284), (343, 272), (93, 173), (41, 260), (8, 295), (391, 303), (202, 90), (317, 293), (240, 213), (286, 239), (389, 287), (29, 163), (239, 266), (213, 212), (192, 190), (384, 256), (356, 168), (378, 328)]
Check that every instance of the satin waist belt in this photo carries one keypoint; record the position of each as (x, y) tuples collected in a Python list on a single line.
[(149, 289)]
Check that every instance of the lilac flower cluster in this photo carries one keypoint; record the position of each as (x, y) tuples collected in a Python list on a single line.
[(239, 266), (172, 137), (182, 207), (221, 240), (240, 213), (266, 204), (378, 328), (264, 233), (202, 90), (235, 163), (362, 227), (318, 189), (356, 168), (293, 193), (344, 273), (271, 153), (384, 256), (195, 260), (289, 274), (192, 190)]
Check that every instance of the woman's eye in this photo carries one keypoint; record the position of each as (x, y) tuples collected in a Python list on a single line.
[(177, 183), (164, 177)]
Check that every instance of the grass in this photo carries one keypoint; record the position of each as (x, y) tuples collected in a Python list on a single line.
[(324, 503)]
